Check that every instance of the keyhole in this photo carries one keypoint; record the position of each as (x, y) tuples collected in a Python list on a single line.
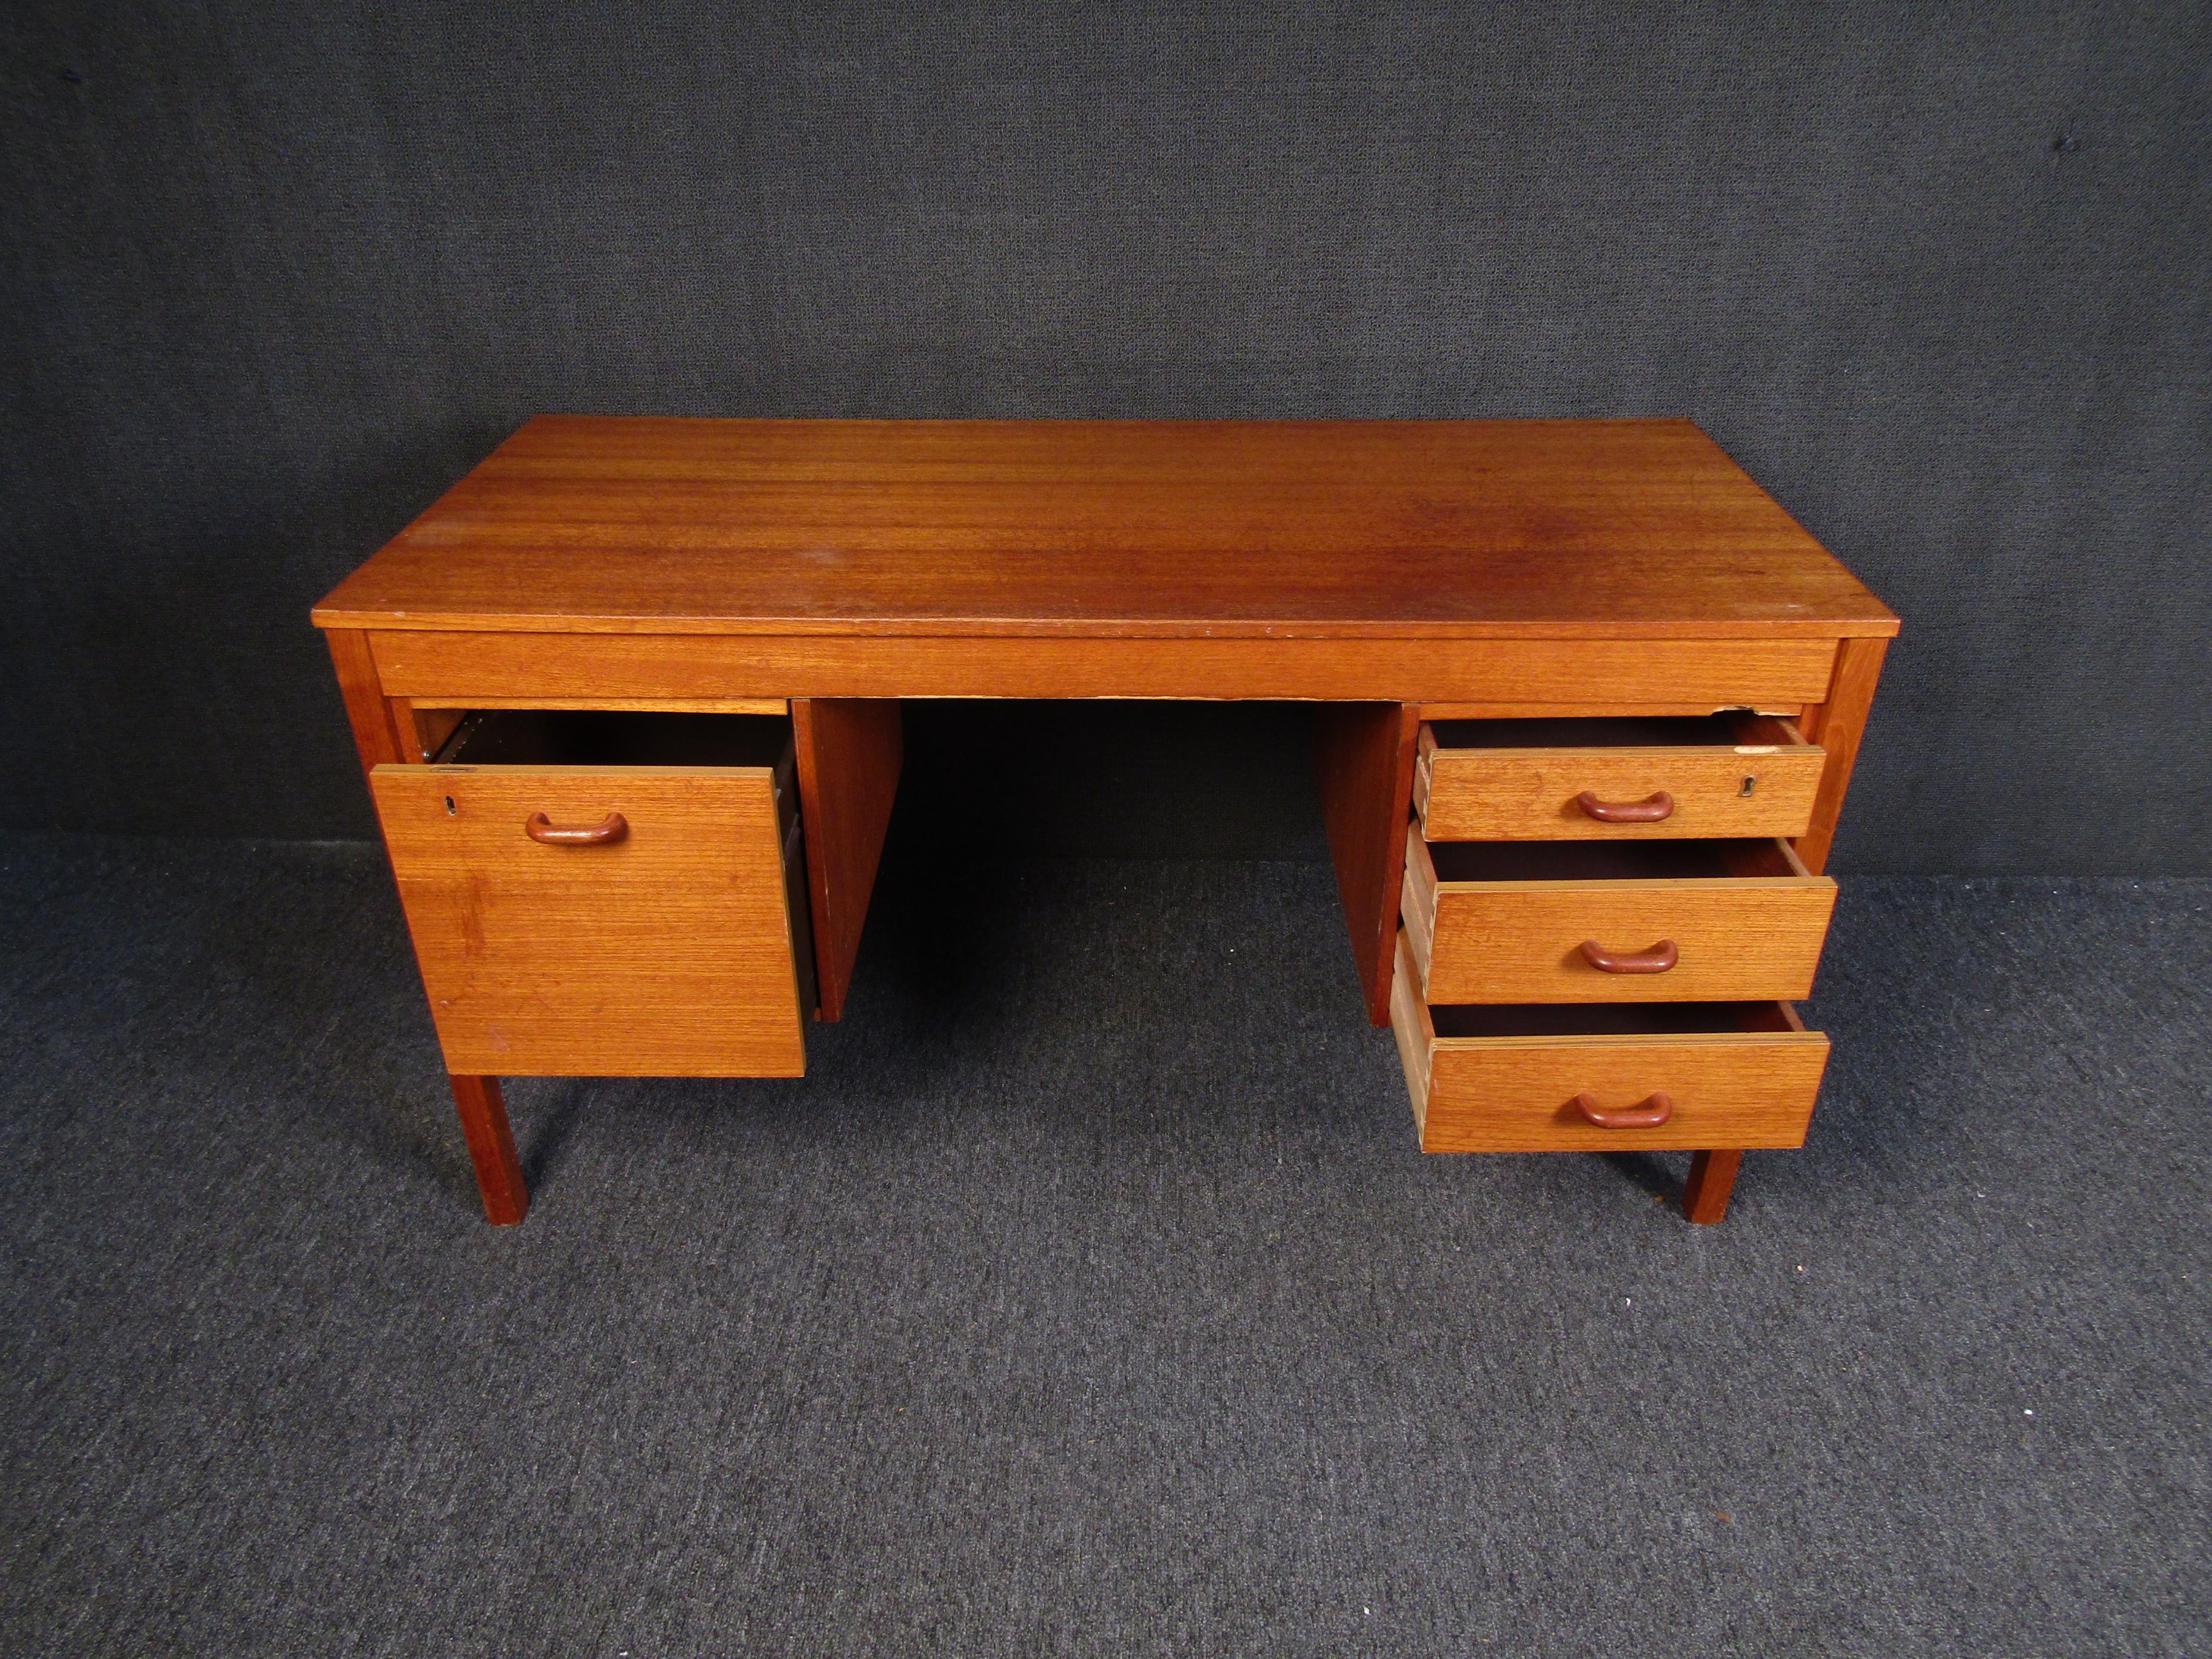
[(1749, 784), (453, 812)]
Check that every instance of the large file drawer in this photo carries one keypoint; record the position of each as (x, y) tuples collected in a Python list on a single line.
[(621, 918)]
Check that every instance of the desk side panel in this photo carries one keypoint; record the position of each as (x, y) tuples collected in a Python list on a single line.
[(849, 755), (1364, 755)]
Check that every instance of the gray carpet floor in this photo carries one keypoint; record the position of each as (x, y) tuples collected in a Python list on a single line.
[(1088, 1297)]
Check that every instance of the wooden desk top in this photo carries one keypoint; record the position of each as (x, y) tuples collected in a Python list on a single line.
[(1316, 529)]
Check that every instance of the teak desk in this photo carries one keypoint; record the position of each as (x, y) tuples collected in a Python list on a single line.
[(628, 700)]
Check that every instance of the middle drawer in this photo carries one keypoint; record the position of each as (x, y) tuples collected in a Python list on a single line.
[(1624, 921)]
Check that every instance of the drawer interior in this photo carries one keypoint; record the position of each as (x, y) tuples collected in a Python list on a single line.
[(1734, 729), (1611, 1019), (1611, 861), (580, 736)]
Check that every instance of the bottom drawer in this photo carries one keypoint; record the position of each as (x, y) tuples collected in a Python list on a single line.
[(1664, 1076)]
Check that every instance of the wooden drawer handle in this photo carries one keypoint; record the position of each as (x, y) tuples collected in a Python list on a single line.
[(1655, 808), (541, 828), (1656, 960), (1650, 1114)]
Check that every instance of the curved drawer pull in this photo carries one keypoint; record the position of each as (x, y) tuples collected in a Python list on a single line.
[(541, 828), (1655, 808), (1656, 960), (1650, 1114)]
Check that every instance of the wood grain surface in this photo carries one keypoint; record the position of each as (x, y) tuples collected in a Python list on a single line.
[(1839, 725), (1323, 529), (524, 669), (667, 953), (432, 726), (849, 755), (1364, 762), (1711, 1179), (1615, 710), (1763, 785), (500, 1181), (615, 705), (1740, 937), (1512, 1094), (380, 736)]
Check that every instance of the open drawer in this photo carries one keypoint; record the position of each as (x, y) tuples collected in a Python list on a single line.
[(602, 894), (1729, 775), (1630, 922), (1605, 1079)]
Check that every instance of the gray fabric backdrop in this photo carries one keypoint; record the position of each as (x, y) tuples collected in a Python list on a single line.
[(276, 275)]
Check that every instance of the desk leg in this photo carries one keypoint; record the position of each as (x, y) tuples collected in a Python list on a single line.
[(491, 1149), (849, 751), (1363, 753), (385, 735), (1836, 725), (1712, 1178), (384, 732)]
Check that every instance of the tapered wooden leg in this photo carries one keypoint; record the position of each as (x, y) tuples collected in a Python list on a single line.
[(1836, 725), (1712, 1178), (385, 731), (491, 1148)]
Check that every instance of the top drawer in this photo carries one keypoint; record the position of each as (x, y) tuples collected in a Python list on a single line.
[(1722, 776)]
